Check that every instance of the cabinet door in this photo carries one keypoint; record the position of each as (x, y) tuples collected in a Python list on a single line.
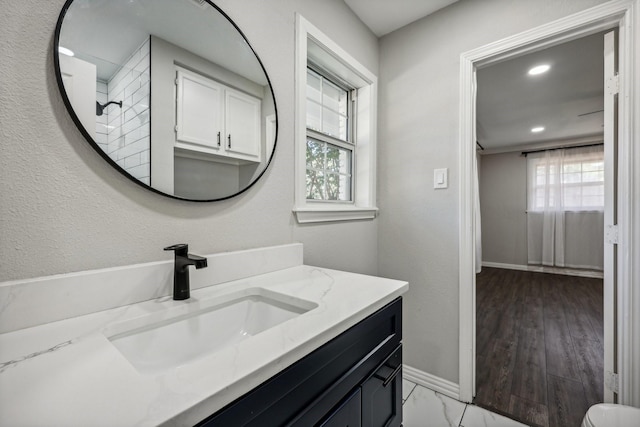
[(382, 394), (242, 125), (347, 414), (199, 113)]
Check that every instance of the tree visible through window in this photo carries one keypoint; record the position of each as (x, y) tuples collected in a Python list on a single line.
[(328, 171)]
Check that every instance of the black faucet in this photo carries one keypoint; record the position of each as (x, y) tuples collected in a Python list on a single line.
[(183, 259)]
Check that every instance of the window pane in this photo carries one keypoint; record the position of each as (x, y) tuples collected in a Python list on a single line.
[(552, 174), (315, 154), (592, 166), (338, 159), (345, 187), (572, 167), (338, 187), (569, 178), (593, 176), (593, 190), (595, 202), (314, 116), (314, 84), (334, 124), (334, 98), (315, 185), (572, 196), (328, 171), (327, 107), (343, 129)]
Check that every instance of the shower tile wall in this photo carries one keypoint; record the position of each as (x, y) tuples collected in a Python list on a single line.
[(128, 128), (101, 121)]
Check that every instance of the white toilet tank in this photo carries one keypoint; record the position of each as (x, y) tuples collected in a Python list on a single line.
[(610, 415)]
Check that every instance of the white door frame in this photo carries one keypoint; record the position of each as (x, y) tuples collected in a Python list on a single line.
[(621, 14)]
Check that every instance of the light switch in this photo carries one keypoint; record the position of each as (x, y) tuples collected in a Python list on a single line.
[(440, 179)]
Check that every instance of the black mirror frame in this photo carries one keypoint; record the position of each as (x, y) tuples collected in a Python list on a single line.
[(96, 147)]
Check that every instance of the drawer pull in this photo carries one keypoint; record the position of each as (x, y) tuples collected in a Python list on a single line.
[(392, 376)]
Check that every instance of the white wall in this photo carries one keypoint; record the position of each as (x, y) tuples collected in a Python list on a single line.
[(64, 209), (418, 132), (503, 206)]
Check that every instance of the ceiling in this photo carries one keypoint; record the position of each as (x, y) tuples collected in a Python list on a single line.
[(385, 16), (106, 32), (567, 100)]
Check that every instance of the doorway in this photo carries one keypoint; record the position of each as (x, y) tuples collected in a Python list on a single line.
[(539, 324), (611, 15)]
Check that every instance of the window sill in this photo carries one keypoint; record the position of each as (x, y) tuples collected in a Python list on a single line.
[(330, 213)]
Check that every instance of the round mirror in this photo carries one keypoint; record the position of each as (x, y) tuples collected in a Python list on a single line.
[(169, 92)]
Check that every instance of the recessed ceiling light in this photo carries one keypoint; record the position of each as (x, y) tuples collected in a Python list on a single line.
[(65, 51), (537, 129), (539, 69)]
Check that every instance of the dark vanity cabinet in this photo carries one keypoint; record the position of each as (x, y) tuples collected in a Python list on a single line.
[(347, 413), (355, 380)]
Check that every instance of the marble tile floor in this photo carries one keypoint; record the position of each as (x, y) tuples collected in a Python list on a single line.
[(426, 408)]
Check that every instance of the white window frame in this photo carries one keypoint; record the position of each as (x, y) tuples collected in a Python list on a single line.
[(347, 144), (364, 164)]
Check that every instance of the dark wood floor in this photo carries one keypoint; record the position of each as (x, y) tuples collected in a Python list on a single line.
[(539, 342)]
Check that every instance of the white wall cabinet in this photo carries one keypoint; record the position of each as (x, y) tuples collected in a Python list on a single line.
[(216, 122)]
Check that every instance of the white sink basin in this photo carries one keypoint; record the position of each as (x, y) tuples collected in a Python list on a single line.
[(167, 340)]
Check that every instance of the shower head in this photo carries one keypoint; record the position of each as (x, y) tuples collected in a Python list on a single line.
[(100, 107)]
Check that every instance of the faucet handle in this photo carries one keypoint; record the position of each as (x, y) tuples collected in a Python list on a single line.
[(179, 248)]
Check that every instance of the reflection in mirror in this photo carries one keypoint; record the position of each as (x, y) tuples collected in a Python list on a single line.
[(169, 92)]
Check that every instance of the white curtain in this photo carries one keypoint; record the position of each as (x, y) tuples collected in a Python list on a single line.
[(565, 221)]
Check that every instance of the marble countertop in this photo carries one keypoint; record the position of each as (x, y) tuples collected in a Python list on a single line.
[(68, 372)]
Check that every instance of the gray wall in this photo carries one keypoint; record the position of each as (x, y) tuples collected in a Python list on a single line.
[(503, 205), (64, 209), (418, 132)]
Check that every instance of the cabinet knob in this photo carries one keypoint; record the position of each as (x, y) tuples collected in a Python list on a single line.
[(229, 141), (218, 139)]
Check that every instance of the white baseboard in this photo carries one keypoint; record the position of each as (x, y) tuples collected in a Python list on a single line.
[(545, 269), (431, 382)]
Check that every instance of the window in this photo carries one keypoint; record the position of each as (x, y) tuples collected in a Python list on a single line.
[(567, 179), (336, 104), (329, 155)]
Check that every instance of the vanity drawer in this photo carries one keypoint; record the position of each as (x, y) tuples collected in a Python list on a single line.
[(348, 413), (382, 394)]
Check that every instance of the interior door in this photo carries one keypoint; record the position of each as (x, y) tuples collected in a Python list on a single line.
[(610, 215)]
